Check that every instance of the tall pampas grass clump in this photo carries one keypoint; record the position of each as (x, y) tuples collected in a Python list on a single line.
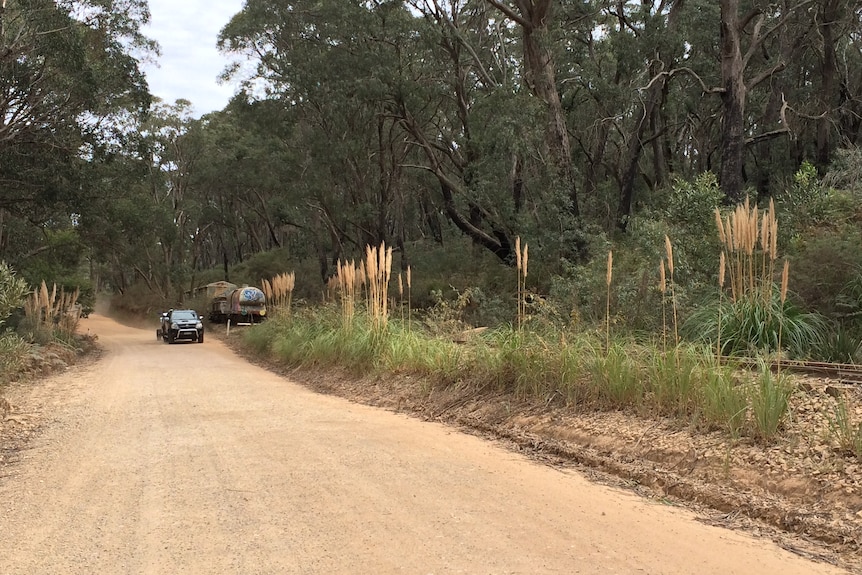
[(756, 316), (378, 272), (52, 313), (279, 292)]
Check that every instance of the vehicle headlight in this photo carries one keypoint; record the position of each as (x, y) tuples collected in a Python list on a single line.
[(175, 326), (199, 325)]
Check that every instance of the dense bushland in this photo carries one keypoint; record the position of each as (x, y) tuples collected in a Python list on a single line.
[(651, 329)]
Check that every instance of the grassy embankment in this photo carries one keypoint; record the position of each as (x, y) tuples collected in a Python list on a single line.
[(588, 370)]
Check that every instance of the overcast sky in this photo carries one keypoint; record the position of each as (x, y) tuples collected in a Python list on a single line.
[(190, 63)]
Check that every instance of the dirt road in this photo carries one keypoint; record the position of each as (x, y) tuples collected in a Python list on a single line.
[(186, 459)]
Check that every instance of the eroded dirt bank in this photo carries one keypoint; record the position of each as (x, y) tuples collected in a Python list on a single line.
[(187, 459)]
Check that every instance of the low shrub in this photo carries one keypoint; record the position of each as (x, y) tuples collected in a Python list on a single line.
[(13, 356)]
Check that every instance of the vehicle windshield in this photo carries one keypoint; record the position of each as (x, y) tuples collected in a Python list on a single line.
[(184, 315)]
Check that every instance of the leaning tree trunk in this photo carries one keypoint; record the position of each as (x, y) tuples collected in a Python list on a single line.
[(635, 148), (541, 78)]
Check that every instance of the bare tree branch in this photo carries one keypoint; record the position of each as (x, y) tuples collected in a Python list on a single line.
[(511, 14), (785, 129), (766, 74), (685, 70)]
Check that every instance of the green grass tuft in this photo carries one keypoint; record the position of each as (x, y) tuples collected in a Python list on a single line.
[(769, 402), (751, 326), (847, 432)]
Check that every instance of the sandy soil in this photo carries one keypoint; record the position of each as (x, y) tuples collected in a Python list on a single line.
[(187, 459)]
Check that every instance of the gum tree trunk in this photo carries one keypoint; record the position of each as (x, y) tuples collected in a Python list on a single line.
[(732, 144)]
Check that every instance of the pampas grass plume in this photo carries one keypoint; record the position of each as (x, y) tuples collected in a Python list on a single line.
[(669, 249), (662, 280), (610, 273)]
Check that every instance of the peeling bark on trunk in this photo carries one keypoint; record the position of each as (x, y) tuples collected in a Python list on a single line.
[(733, 102), (828, 15)]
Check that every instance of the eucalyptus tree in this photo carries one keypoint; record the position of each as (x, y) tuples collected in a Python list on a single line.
[(145, 218), (327, 62), (613, 60), (824, 72), (172, 142), (848, 53), (653, 28), (250, 184), (508, 116), (535, 18), (468, 114), (778, 86), (750, 53), (694, 85), (68, 70), (385, 95)]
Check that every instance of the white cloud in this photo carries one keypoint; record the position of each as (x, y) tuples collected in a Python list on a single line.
[(190, 64)]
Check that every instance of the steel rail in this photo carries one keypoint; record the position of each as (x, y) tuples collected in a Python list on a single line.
[(842, 372)]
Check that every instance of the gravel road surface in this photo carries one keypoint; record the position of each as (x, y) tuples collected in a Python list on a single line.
[(175, 459)]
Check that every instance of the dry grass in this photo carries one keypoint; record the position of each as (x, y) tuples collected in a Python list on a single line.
[(378, 271), (409, 298), (662, 288), (783, 295), (522, 259), (722, 266), (279, 292), (347, 285), (668, 247), (750, 240), (369, 278), (608, 279), (53, 310), (405, 293)]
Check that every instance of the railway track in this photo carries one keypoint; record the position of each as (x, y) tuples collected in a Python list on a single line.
[(840, 372)]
